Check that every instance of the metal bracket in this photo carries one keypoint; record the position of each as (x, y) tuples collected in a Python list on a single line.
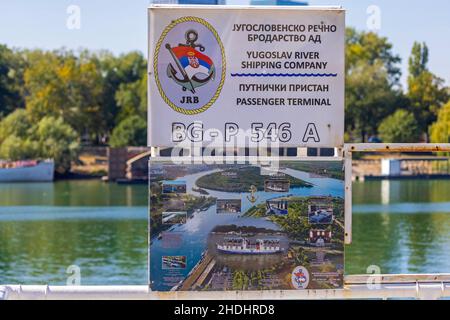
[(348, 197), (377, 147)]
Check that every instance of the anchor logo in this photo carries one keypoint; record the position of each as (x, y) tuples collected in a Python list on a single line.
[(195, 67), (252, 198), (189, 65), (300, 278)]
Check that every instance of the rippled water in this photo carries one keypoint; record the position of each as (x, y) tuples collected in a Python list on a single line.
[(401, 226)]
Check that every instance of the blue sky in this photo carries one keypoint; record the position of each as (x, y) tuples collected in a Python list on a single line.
[(121, 25)]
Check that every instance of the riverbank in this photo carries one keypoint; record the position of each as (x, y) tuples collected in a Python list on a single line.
[(396, 167)]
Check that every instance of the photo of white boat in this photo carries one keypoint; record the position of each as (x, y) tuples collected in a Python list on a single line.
[(280, 186), (242, 245)]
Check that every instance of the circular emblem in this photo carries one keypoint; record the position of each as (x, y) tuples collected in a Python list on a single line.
[(189, 65), (300, 278)]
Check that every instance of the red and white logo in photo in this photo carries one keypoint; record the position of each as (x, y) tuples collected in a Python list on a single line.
[(300, 278)]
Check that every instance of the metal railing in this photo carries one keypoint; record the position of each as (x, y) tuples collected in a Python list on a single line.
[(424, 286)]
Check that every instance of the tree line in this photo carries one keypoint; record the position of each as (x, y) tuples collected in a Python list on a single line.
[(376, 104), (51, 102)]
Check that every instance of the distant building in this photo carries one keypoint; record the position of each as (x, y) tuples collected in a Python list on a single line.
[(319, 237), (251, 2), (204, 2), (278, 3)]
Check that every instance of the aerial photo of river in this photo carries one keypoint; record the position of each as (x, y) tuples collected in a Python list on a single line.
[(195, 232)]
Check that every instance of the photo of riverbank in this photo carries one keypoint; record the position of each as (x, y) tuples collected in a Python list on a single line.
[(252, 248), (174, 217)]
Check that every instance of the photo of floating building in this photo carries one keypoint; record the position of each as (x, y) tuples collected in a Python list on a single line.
[(277, 207), (319, 238), (320, 211), (242, 245)]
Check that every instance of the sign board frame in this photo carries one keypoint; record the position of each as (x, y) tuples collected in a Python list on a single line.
[(202, 161), (211, 120)]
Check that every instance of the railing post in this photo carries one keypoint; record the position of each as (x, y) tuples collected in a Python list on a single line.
[(3, 293), (348, 196)]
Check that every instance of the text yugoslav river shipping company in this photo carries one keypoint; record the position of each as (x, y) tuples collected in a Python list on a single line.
[(219, 72)]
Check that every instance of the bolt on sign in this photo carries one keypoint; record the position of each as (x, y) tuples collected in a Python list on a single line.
[(241, 226), (221, 75)]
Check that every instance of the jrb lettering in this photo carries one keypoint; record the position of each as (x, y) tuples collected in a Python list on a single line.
[(189, 100)]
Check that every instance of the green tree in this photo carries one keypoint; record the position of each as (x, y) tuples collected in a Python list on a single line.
[(132, 131), (56, 140), (131, 98), (369, 99), (92, 91), (21, 139), (418, 60), (440, 130), (372, 88), (11, 80), (118, 73), (371, 49), (16, 123), (399, 127), (426, 92), (18, 148), (61, 84), (15, 142)]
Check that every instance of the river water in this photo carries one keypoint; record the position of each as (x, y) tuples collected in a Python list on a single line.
[(400, 226)]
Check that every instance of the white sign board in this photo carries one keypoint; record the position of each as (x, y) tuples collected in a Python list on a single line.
[(273, 74)]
